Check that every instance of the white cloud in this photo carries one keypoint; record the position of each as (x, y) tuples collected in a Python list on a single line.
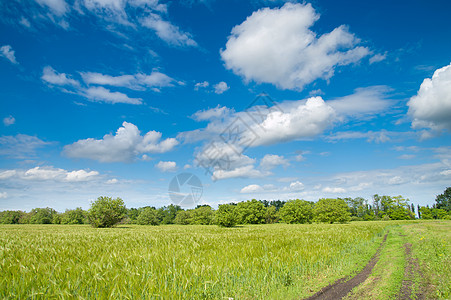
[(334, 190), (221, 87), (51, 76), (293, 55), (95, 82), (135, 82), (296, 121), (364, 101), (58, 7), (3, 195), (24, 21), (252, 188), (8, 53), (167, 166), (50, 173), (124, 146), (200, 85), (371, 136), (20, 146), (378, 58), (112, 181), (431, 107), (396, 180), (240, 172), (101, 94), (10, 120), (7, 174), (270, 161), (167, 31), (296, 186), (407, 156), (212, 113), (446, 173)]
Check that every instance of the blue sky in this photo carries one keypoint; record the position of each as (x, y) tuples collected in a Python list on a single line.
[(259, 99)]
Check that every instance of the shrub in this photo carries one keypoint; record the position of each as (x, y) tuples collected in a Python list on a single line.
[(297, 212), (73, 216), (225, 216), (148, 216), (106, 212), (331, 210)]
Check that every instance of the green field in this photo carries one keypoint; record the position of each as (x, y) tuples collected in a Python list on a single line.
[(276, 261)]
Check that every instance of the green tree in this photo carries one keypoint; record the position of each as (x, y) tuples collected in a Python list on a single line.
[(148, 216), (11, 216), (426, 213), (251, 212), (202, 215), (106, 212), (272, 215), (331, 210), (183, 217), (42, 215), (226, 216), (73, 216), (167, 214), (297, 212), (443, 201)]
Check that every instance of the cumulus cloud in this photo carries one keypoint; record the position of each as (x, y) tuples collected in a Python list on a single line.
[(212, 113), (124, 146), (293, 55), (167, 166), (50, 173), (371, 136), (9, 120), (430, 108), (270, 161), (8, 53), (296, 186), (221, 87), (200, 85), (303, 119), (252, 188)]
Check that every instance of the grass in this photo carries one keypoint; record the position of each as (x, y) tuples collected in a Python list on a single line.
[(181, 262), (431, 251)]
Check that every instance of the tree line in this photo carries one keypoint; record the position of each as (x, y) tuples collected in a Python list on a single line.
[(107, 212)]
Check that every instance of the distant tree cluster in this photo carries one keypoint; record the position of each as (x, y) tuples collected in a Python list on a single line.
[(107, 212)]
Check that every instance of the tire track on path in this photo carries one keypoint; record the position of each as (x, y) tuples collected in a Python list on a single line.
[(343, 286)]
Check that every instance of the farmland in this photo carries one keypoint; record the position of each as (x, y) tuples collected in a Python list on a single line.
[(273, 261)]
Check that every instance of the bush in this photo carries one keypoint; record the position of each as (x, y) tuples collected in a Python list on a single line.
[(148, 216), (297, 212), (73, 216), (11, 216), (251, 212), (331, 210), (183, 217), (225, 216), (43, 216), (106, 212), (202, 215)]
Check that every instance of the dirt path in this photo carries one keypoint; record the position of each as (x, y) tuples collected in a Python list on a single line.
[(343, 286), (410, 270)]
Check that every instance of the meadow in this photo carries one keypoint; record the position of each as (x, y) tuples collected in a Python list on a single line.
[(274, 261)]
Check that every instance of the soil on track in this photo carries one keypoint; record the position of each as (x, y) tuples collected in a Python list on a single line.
[(343, 286), (410, 270)]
